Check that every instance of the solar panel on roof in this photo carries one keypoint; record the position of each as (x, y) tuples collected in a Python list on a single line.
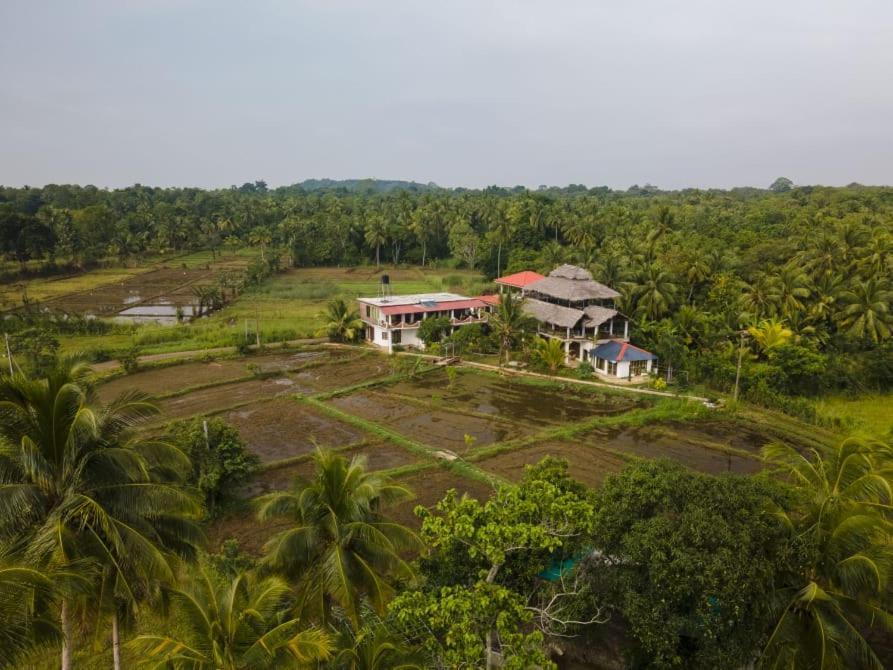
[(429, 303)]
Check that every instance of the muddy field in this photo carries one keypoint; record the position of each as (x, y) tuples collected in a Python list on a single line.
[(516, 399), (284, 428), (693, 447), (439, 428), (589, 465), (378, 455), (219, 398), (153, 296), (161, 381), (429, 486)]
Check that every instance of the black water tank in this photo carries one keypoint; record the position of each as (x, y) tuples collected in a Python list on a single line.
[(385, 279)]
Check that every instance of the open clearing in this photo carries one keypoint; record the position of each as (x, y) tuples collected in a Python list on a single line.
[(283, 428), (586, 464)]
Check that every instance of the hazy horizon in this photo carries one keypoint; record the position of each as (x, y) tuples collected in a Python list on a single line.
[(463, 94)]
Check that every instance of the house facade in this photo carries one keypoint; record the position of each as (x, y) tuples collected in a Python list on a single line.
[(579, 312), (394, 320)]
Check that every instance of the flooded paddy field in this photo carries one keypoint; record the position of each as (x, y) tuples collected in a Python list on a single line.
[(284, 428), (435, 427), (216, 399), (517, 399)]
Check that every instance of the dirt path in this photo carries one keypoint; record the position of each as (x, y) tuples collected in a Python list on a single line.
[(106, 366), (630, 389)]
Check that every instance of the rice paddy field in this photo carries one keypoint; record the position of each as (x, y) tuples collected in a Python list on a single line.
[(287, 306), (432, 433)]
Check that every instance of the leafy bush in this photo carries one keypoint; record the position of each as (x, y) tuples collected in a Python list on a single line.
[(434, 330), (585, 370), (130, 360), (220, 460)]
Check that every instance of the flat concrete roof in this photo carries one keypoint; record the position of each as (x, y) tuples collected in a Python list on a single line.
[(412, 299)]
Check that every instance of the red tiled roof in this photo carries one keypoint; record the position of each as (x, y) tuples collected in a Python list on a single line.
[(520, 279), (489, 299), (418, 308)]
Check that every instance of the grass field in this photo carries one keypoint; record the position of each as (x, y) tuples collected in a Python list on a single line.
[(287, 306), (872, 414)]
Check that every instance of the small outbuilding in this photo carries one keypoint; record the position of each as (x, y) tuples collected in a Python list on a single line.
[(616, 358)]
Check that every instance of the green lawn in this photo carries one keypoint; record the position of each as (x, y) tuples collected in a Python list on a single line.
[(872, 414)]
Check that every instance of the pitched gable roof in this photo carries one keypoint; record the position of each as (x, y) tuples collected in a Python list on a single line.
[(563, 317), (519, 279)]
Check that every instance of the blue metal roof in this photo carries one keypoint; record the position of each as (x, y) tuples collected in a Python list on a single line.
[(622, 351)]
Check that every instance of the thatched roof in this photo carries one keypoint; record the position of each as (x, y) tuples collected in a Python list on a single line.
[(563, 317), (572, 283), (571, 272), (596, 315), (574, 290)]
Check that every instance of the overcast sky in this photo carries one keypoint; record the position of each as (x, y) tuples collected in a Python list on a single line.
[(600, 92)]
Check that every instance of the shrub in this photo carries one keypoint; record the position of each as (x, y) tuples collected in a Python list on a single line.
[(130, 360), (585, 370), (220, 460)]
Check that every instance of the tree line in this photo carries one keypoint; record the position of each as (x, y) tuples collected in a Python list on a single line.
[(697, 269)]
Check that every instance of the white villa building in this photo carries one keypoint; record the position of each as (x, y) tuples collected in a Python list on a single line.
[(579, 312), (395, 319)]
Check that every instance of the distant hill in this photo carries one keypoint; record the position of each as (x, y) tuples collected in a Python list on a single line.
[(362, 185)]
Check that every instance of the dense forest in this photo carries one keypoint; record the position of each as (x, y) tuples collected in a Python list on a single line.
[(800, 275)]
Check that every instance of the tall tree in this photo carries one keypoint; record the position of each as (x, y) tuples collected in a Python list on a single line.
[(338, 547)]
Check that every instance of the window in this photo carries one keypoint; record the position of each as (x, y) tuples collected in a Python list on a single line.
[(638, 368), (398, 337), (368, 311), (612, 368), (384, 334), (600, 363)]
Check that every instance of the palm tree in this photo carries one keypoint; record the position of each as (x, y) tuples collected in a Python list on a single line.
[(866, 313), (376, 234), (25, 619), (260, 237), (509, 323), (76, 487), (338, 548), (757, 299), (842, 529), (549, 352), (654, 291), (790, 287), (342, 321), (770, 334), (239, 625), (373, 649)]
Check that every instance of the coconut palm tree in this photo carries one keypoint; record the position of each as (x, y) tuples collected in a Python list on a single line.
[(342, 321), (842, 530), (654, 291), (866, 312), (789, 288), (338, 547), (770, 334), (260, 237), (376, 234), (238, 625), (77, 488), (509, 323)]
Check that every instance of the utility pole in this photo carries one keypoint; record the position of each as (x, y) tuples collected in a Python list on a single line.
[(738, 371), (8, 353)]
